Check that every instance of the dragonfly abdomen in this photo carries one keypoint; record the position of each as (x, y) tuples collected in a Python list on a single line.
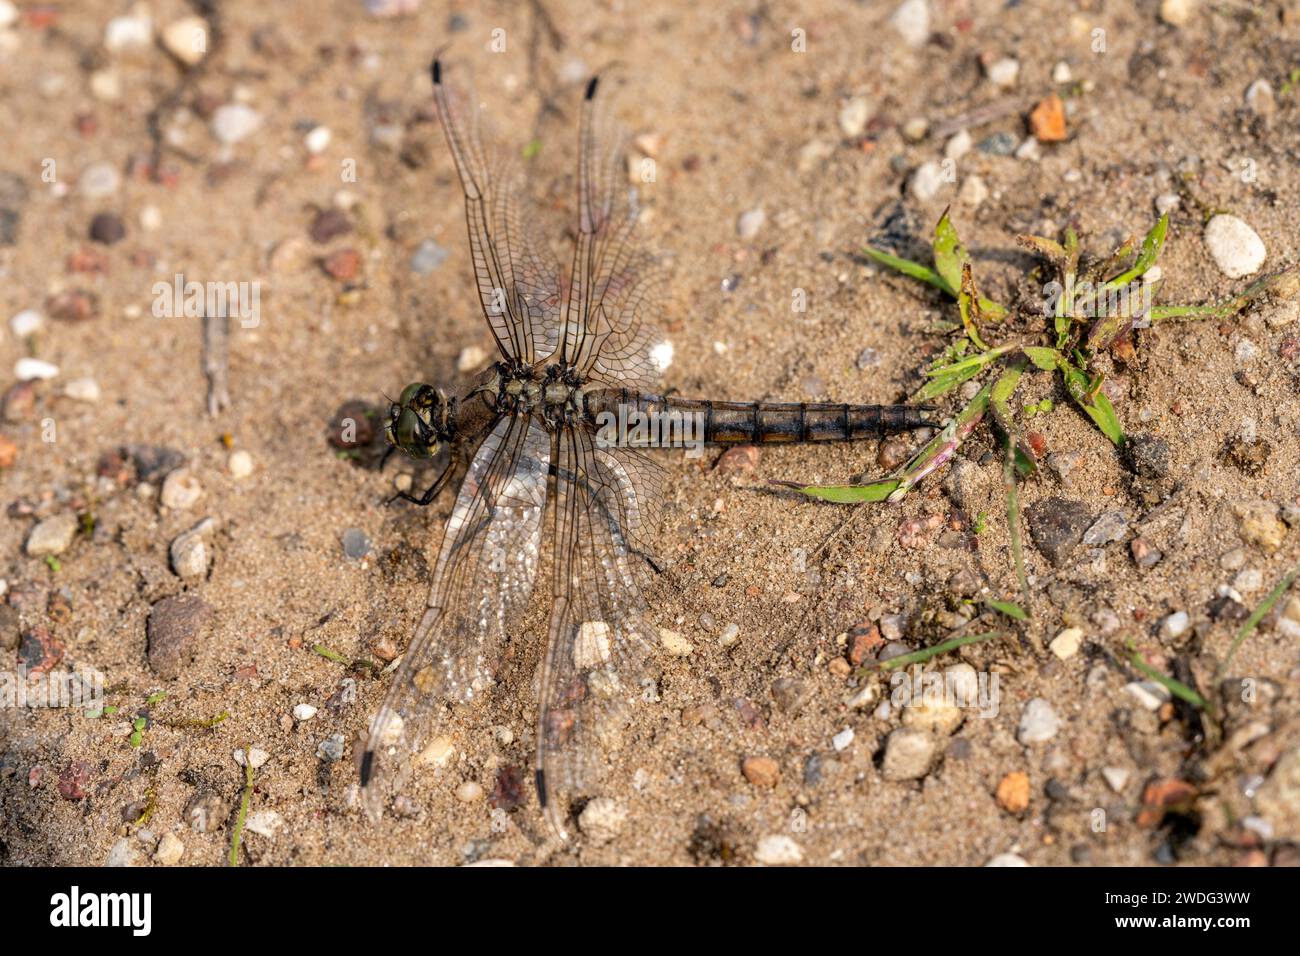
[(734, 423)]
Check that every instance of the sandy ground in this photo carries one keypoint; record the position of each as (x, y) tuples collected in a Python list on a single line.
[(735, 121)]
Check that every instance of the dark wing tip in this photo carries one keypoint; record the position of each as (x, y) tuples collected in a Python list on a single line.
[(591, 88), (368, 758), (436, 70), (539, 777)]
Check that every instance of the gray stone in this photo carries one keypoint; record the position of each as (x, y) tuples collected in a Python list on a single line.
[(1056, 526)]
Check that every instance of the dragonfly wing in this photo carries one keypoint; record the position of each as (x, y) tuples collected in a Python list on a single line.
[(615, 287), (594, 667), (518, 280), (482, 582)]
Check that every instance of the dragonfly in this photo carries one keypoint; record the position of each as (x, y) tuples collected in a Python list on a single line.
[(554, 451)]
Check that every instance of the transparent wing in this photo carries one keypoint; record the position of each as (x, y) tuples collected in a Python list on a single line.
[(598, 644), (482, 582), (518, 279), (615, 287)]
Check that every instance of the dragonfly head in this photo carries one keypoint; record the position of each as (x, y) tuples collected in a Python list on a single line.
[(419, 423)]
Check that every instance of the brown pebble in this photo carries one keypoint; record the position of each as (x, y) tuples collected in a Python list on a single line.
[(1047, 121), (737, 461), (893, 453), (74, 305), (8, 452), (761, 771), (343, 265), (19, 402), (1013, 792), (107, 228), (840, 667), (330, 224), (863, 640), (73, 781)]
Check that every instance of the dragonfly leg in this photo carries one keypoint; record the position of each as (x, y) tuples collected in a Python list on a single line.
[(431, 492)]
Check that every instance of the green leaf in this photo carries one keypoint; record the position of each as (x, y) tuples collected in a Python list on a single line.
[(1090, 398), (1175, 687), (1043, 358), (969, 304), (949, 254), (846, 494), (910, 268), (1151, 246), (1008, 608)]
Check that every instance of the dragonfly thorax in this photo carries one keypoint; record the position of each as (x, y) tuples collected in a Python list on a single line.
[(555, 391)]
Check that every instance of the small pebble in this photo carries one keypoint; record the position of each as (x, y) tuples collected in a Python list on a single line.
[(915, 129), (317, 140), (1004, 72), (174, 633), (264, 823), (1066, 644), (438, 753), (82, 390), (761, 771), (1007, 859), (471, 358), (1110, 526), (31, 370), (1061, 72), (1177, 13), (170, 850), (256, 757), (107, 228), (189, 554), (1259, 98), (1147, 693), (973, 191), (777, 849), (911, 20), (842, 740), (427, 257), (186, 39), (1012, 793), (25, 323), (180, 490), (1116, 777), (240, 464), (674, 643), (909, 753), (331, 749), (601, 820), (749, 223), (129, 34), (355, 543), (1235, 247), (99, 181), (1038, 722), (1167, 203), (998, 144), (303, 712), (927, 181), (468, 792), (53, 535), (853, 117), (234, 122), (1176, 624)]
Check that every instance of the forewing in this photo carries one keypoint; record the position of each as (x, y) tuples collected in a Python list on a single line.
[(482, 582), (518, 278), (598, 642), (615, 286)]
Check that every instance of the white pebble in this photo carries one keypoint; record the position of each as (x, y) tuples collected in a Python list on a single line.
[(318, 140), (1175, 624), (674, 643), (303, 712), (234, 122), (1007, 859), (854, 115), (1235, 247), (128, 34), (927, 181), (973, 191), (8, 14), (264, 823), (180, 489), (1116, 777), (841, 740), (958, 146), (255, 759), (240, 464), (170, 850), (1038, 722), (911, 19), (1166, 202), (30, 369), (1004, 72), (99, 180), (25, 323), (151, 218), (777, 849), (468, 792), (1061, 73), (82, 390), (749, 223), (1147, 693)]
